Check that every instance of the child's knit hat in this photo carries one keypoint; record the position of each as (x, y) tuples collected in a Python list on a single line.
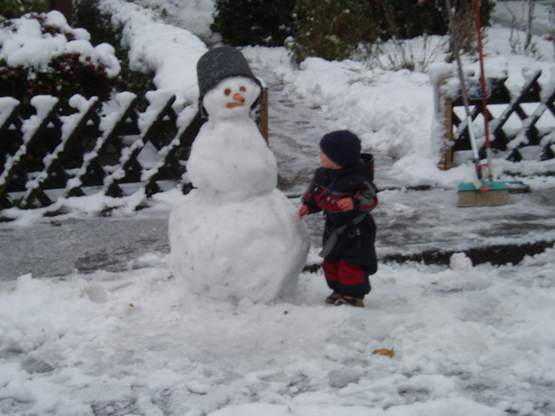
[(341, 146)]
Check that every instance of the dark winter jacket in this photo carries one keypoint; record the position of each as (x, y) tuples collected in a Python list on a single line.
[(355, 243)]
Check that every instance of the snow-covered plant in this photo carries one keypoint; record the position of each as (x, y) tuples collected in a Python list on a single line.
[(103, 28), (413, 54), (42, 54), (520, 43)]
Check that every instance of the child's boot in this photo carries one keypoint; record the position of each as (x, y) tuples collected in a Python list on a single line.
[(349, 300), (331, 299)]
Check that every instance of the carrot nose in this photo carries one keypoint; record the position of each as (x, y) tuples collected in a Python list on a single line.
[(239, 98)]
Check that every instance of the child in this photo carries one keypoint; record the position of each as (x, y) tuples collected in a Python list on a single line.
[(342, 188)]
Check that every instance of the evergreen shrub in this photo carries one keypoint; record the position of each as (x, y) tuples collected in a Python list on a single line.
[(253, 22), (10, 9), (331, 29), (334, 29)]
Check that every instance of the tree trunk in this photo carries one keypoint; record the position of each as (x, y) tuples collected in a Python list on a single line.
[(63, 6)]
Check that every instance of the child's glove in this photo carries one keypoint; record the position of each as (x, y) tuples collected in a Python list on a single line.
[(332, 202), (346, 204)]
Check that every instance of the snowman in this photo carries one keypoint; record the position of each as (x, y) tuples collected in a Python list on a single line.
[(234, 236)]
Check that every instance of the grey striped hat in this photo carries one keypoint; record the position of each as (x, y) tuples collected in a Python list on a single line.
[(218, 64)]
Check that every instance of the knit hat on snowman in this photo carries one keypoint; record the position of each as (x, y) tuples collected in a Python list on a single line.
[(342, 147), (218, 64)]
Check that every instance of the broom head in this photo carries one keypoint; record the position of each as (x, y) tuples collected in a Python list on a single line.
[(483, 194)]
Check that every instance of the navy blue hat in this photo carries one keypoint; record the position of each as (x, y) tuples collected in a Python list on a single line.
[(341, 146)]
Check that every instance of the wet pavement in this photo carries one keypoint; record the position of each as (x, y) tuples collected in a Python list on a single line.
[(412, 226), (55, 247)]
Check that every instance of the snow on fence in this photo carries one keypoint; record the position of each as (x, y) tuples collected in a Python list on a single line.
[(521, 120), (51, 151)]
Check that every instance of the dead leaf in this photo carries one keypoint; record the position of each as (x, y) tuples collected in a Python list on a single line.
[(388, 352)]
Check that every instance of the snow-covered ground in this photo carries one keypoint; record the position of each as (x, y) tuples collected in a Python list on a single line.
[(193, 15), (467, 341), (131, 341)]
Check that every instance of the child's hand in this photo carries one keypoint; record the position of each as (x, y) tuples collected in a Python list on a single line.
[(346, 204), (303, 210)]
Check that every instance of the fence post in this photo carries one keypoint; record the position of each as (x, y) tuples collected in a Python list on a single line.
[(264, 114), (443, 131)]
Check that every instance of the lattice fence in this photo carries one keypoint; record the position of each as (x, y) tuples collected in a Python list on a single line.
[(513, 143), (50, 151)]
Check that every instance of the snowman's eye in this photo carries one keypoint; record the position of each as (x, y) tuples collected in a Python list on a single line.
[(242, 88), (227, 91)]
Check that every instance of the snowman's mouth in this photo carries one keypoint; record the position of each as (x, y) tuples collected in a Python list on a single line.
[(234, 105)]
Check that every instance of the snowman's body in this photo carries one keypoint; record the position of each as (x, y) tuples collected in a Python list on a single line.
[(235, 235), (230, 157)]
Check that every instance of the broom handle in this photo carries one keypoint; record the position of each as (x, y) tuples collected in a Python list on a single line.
[(463, 88), (483, 85)]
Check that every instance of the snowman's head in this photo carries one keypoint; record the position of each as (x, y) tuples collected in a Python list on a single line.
[(231, 98)]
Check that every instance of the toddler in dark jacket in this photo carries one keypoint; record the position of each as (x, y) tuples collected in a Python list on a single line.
[(343, 189)]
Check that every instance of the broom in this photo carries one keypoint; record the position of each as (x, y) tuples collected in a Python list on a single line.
[(485, 191)]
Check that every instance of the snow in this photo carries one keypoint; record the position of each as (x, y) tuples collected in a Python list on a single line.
[(246, 167), (393, 111), (157, 100), (469, 341), (193, 15), (169, 52), (7, 105), (111, 113), (24, 44), (43, 105), (459, 261), (184, 119), (70, 122), (515, 14), (156, 103), (216, 246)]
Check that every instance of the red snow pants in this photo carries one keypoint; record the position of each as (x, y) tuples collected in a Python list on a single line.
[(346, 278)]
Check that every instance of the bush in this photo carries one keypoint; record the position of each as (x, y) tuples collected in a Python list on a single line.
[(253, 22), (67, 75), (86, 14), (10, 9), (405, 19), (330, 29), (334, 29), (63, 69)]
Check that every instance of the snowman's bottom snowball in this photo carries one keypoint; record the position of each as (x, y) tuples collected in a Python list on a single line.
[(252, 249)]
